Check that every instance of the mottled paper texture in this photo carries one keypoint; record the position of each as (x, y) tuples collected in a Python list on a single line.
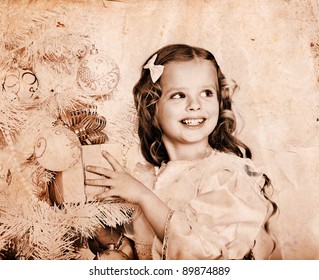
[(271, 48)]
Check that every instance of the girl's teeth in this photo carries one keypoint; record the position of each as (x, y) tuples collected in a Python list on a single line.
[(193, 121)]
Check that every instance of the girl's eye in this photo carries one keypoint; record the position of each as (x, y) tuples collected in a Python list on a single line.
[(207, 93), (178, 95)]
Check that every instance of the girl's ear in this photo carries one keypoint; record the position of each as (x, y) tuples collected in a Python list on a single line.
[(224, 92)]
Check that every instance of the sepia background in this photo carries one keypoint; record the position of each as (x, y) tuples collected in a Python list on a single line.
[(270, 48)]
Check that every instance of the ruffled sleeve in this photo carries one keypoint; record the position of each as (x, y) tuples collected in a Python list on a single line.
[(223, 219)]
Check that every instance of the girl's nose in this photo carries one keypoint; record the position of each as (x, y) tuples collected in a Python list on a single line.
[(193, 104)]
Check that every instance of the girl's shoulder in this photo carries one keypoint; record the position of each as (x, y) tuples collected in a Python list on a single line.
[(216, 159), (226, 165), (146, 173), (229, 160)]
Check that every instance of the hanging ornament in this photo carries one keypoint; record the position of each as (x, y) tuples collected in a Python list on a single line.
[(98, 75), (57, 148), (20, 86)]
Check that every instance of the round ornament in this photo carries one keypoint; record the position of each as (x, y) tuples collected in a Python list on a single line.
[(57, 148), (98, 75), (20, 85)]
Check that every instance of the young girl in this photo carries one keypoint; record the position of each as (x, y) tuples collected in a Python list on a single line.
[(201, 196)]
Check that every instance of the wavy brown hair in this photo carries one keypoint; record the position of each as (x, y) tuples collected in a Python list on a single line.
[(146, 95)]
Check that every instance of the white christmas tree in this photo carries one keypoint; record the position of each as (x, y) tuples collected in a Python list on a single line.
[(51, 77)]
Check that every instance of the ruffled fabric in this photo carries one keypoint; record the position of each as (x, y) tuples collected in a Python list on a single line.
[(219, 208)]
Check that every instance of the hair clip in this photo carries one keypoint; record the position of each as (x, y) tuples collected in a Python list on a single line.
[(156, 71)]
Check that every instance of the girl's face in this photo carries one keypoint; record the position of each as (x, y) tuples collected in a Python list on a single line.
[(188, 109)]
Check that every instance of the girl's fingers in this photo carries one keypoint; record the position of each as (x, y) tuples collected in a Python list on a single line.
[(100, 171), (112, 161), (111, 199), (106, 195), (98, 182)]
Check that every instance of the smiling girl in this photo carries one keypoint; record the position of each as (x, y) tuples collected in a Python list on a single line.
[(201, 196)]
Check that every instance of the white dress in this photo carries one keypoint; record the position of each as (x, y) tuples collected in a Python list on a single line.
[(219, 210)]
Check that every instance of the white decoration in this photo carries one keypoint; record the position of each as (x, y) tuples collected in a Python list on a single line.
[(20, 85), (98, 75), (57, 148)]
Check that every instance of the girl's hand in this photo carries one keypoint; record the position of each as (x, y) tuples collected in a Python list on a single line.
[(120, 183)]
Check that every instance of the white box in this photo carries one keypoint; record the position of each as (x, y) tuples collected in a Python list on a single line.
[(69, 185), (92, 155)]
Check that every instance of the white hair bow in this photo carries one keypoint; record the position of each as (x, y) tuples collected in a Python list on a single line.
[(156, 71)]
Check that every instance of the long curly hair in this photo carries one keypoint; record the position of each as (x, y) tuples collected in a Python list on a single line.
[(147, 94)]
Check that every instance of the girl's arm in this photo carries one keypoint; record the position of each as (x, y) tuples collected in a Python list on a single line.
[(155, 211), (121, 184)]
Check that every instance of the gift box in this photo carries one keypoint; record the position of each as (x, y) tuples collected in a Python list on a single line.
[(69, 185), (92, 155)]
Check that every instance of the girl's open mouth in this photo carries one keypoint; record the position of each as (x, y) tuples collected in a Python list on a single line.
[(192, 122)]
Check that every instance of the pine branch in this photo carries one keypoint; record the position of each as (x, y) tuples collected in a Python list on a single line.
[(56, 243)]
